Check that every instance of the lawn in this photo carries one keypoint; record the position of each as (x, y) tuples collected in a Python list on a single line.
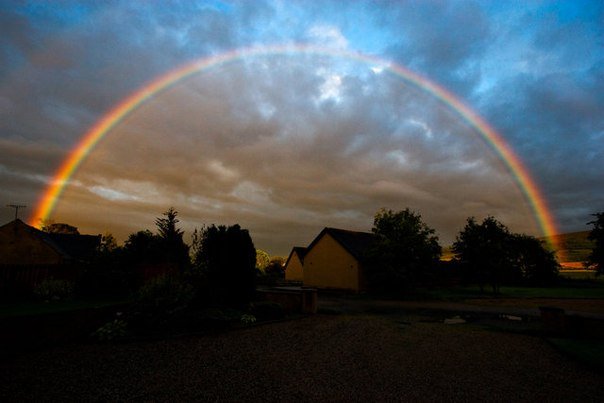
[(27, 308), (578, 290), (582, 275)]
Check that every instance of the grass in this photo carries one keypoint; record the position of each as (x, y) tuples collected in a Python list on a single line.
[(595, 290), (587, 352), (28, 308), (553, 292), (582, 275)]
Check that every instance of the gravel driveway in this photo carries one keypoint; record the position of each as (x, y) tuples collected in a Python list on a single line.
[(319, 358)]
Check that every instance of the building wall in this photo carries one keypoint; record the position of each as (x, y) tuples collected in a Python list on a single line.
[(19, 247), (294, 270), (329, 265)]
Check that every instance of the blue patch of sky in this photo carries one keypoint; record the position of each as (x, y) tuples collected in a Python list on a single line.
[(584, 11), (359, 23), (577, 10), (217, 5), (53, 15)]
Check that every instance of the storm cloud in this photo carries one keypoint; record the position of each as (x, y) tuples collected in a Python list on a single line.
[(287, 144)]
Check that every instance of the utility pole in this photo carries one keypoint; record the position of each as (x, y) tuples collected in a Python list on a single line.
[(16, 207)]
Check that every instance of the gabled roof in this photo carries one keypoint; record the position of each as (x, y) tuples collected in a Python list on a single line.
[(300, 251), (70, 246), (355, 242)]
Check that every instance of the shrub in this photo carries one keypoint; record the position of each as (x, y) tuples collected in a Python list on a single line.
[(247, 319), (164, 294), (54, 290), (227, 258), (102, 280), (113, 330)]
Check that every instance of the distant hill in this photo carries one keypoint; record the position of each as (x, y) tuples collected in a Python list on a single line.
[(575, 246)]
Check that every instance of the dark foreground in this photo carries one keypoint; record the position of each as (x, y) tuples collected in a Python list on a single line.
[(326, 358)]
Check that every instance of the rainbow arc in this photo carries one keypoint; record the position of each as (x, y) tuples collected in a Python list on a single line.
[(103, 126)]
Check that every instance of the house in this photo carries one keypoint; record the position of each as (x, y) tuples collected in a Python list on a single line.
[(294, 264), (22, 244), (334, 260), (29, 256)]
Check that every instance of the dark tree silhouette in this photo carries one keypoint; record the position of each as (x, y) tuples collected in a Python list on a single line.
[(167, 226), (110, 273), (483, 251), (532, 263), (596, 257), (227, 258), (108, 243), (490, 253), (275, 267), (143, 247), (403, 252), (175, 250), (60, 228), (274, 271)]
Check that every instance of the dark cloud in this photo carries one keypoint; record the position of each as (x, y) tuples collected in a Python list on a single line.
[(287, 145), (224, 151), (443, 40), (16, 41), (24, 171)]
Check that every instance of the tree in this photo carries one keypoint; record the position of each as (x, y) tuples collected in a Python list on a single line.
[(490, 253), (143, 247), (482, 250), (403, 252), (274, 270), (111, 272), (59, 228), (167, 226), (534, 265), (227, 258), (262, 260), (596, 257), (174, 249), (276, 267), (108, 243)]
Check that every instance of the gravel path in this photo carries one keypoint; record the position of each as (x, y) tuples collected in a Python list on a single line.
[(319, 358)]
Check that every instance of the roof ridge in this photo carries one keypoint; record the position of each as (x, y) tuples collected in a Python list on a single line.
[(348, 230), (355, 242)]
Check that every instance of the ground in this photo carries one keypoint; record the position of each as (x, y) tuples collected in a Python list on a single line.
[(353, 356)]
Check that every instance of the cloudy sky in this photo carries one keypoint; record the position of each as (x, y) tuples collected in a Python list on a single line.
[(287, 143)]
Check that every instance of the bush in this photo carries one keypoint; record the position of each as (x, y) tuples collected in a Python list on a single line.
[(54, 290), (227, 258), (103, 280), (164, 294), (247, 319), (113, 330)]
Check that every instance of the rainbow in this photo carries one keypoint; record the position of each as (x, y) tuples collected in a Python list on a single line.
[(74, 159)]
